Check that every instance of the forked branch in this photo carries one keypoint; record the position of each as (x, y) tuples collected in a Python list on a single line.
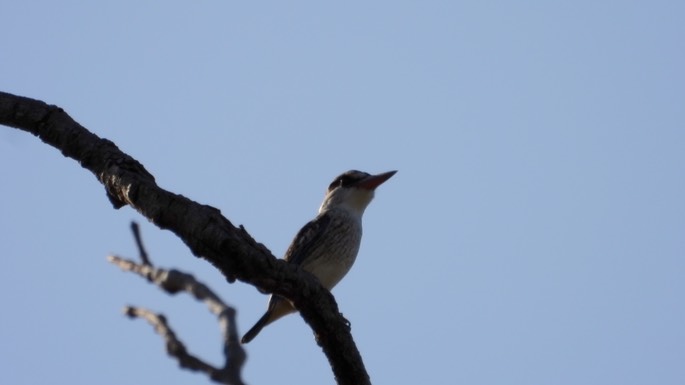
[(173, 282), (207, 233)]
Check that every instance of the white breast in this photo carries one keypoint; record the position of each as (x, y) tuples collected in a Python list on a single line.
[(339, 248)]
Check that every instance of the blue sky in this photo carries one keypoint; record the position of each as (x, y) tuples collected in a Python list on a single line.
[(534, 233)]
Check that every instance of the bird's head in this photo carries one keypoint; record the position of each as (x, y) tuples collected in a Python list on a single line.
[(353, 190)]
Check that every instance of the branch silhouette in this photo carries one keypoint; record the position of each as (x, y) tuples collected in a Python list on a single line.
[(207, 233), (173, 282)]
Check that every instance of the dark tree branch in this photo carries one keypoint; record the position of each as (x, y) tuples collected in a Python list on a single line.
[(174, 281), (204, 230)]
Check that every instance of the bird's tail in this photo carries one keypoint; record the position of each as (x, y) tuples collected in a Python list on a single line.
[(252, 333), (278, 307)]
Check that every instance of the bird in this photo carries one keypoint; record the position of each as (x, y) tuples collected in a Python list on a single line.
[(327, 246)]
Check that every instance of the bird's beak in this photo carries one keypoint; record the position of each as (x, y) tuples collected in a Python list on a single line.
[(373, 181)]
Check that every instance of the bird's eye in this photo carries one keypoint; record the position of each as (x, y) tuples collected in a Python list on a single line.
[(345, 180)]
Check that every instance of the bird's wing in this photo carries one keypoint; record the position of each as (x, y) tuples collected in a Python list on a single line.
[(307, 239)]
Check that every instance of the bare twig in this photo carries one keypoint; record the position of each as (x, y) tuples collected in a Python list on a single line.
[(174, 281), (139, 242)]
